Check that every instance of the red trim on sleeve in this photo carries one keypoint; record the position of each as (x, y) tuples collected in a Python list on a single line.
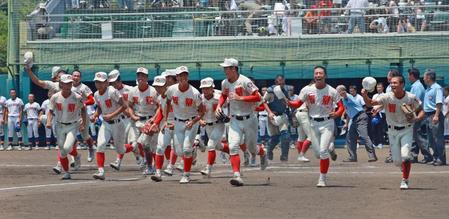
[(90, 100), (295, 103), (254, 97)]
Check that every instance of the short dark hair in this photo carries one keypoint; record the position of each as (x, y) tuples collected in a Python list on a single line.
[(401, 78), (431, 74), (77, 70), (380, 83), (414, 72), (279, 76), (322, 67), (394, 72), (12, 89), (353, 87)]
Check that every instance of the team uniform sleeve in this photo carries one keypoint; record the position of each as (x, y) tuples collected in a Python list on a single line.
[(382, 99), (251, 87), (115, 95)]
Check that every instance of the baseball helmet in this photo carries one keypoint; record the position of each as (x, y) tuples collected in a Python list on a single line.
[(369, 84)]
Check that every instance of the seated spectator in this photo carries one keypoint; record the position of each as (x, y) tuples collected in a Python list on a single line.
[(380, 25)]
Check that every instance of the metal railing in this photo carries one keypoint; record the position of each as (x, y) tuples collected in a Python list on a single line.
[(272, 23)]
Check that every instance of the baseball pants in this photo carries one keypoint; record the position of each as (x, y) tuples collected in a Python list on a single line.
[(164, 139), (304, 128), (184, 138), (400, 144), (66, 137), (92, 129), (32, 128), (105, 133), (215, 133), (240, 128), (12, 121), (323, 137), (48, 131)]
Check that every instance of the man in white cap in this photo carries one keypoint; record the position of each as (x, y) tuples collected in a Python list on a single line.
[(124, 89), (68, 108), (243, 96), (187, 111), (110, 105), (13, 116), (142, 107), (214, 128), (88, 99)]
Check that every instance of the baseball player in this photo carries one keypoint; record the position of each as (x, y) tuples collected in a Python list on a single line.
[(321, 99), (115, 81), (90, 110), (304, 132), (69, 115), (53, 85), (2, 123), (400, 123), (142, 107), (110, 105), (187, 111), (43, 115), (88, 99), (31, 110), (243, 96), (13, 116)]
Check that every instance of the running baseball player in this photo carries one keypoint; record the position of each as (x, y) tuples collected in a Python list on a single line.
[(90, 110), (115, 81), (110, 105), (142, 107), (2, 123), (243, 96), (304, 132), (31, 111), (187, 111), (88, 99), (400, 122), (13, 116), (43, 115), (321, 99), (69, 114)]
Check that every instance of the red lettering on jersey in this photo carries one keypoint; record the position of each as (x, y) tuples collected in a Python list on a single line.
[(108, 103), (326, 99), (189, 101), (71, 107), (214, 106), (311, 98), (125, 96), (239, 91), (175, 100), (391, 107), (135, 100), (59, 106), (149, 100)]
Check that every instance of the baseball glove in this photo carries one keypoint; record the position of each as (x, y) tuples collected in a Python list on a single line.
[(409, 112), (223, 118)]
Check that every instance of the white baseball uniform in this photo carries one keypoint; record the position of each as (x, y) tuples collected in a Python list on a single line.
[(214, 129), (14, 110), (32, 114), (185, 108), (46, 108), (320, 103), (166, 135), (84, 91), (400, 131), (90, 110), (243, 120), (108, 103), (67, 114), (124, 92), (2, 106), (52, 87), (144, 105), (304, 129)]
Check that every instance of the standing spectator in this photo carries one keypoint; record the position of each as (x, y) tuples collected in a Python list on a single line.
[(446, 113), (419, 128), (356, 14), (359, 126), (379, 126), (252, 6), (31, 111), (263, 122), (433, 103)]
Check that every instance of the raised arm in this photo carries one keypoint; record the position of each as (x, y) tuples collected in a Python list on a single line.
[(35, 79)]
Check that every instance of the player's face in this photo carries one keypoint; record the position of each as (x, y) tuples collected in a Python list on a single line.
[(170, 80), (229, 72), (76, 77), (13, 94), (183, 78), (31, 98), (264, 90), (379, 88), (160, 89), (319, 75), (101, 86), (207, 91), (58, 76), (396, 85), (66, 87), (142, 78), (115, 84)]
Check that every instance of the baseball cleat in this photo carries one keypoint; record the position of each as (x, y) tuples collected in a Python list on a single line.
[(246, 158), (169, 170), (303, 159), (77, 163), (185, 179), (322, 181), (57, 169), (2, 148), (206, 171), (263, 161), (47, 147), (19, 148), (9, 148), (90, 154), (66, 176), (252, 162), (157, 177), (115, 165), (180, 166), (404, 184), (99, 175), (236, 181), (149, 171), (36, 147)]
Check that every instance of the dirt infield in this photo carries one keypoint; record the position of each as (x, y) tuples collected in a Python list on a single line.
[(29, 189)]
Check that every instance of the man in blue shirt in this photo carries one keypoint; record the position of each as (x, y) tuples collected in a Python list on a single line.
[(419, 128), (358, 126), (433, 103)]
